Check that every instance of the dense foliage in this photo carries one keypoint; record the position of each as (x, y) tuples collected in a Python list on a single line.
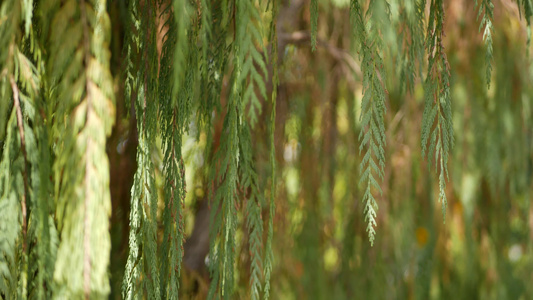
[(229, 149)]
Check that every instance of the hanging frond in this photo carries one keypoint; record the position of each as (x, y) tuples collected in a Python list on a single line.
[(412, 43), (176, 88), (12, 189), (42, 234), (82, 82), (269, 255), (175, 190), (223, 206), (251, 60), (437, 130), (525, 7), (9, 14), (207, 68), (372, 135), (142, 259), (142, 274), (212, 66), (254, 222), (27, 272), (180, 64), (486, 8), (418, 34), (41, 227)]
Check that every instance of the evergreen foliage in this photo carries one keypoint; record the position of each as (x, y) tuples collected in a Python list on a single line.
[(223, 211), (487, 9), (254, 223), (12, 190), (81, 83), (13, 183), (269, 255), (525, 7), (226, 95), (142, 260), (437, 129), (247, 34), (372, 107), (175, 88)]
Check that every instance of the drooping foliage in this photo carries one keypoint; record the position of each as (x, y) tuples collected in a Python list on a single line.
[(274, 120), (269, 255), (486, 8), (81, 86), (174, 125), (437, 129), (373, 105), (143, 259)]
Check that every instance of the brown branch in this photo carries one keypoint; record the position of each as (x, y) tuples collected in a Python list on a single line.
[(303, 37), (20, 124)]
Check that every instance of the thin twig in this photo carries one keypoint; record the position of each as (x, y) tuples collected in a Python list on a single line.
[(303, 37)]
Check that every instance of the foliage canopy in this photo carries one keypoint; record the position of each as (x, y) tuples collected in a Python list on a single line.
[(127, 126)]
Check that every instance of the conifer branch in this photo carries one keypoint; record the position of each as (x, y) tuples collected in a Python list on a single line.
[(269, 253), (175, 82), (132, 285), (486, 8), (413, 44), (143, 260), (372, 107), (253, 210), (87, 200), (526, 7), (19, 73), (223, 211), (9, 21), (57, 111), (437, 130), (10, 193), (80, 71), (20, 125), (251, 61)]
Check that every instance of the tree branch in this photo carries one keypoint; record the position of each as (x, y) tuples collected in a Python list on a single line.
[(303, 37)]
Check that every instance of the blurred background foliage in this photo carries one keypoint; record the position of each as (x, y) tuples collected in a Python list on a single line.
[(483, 250)]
